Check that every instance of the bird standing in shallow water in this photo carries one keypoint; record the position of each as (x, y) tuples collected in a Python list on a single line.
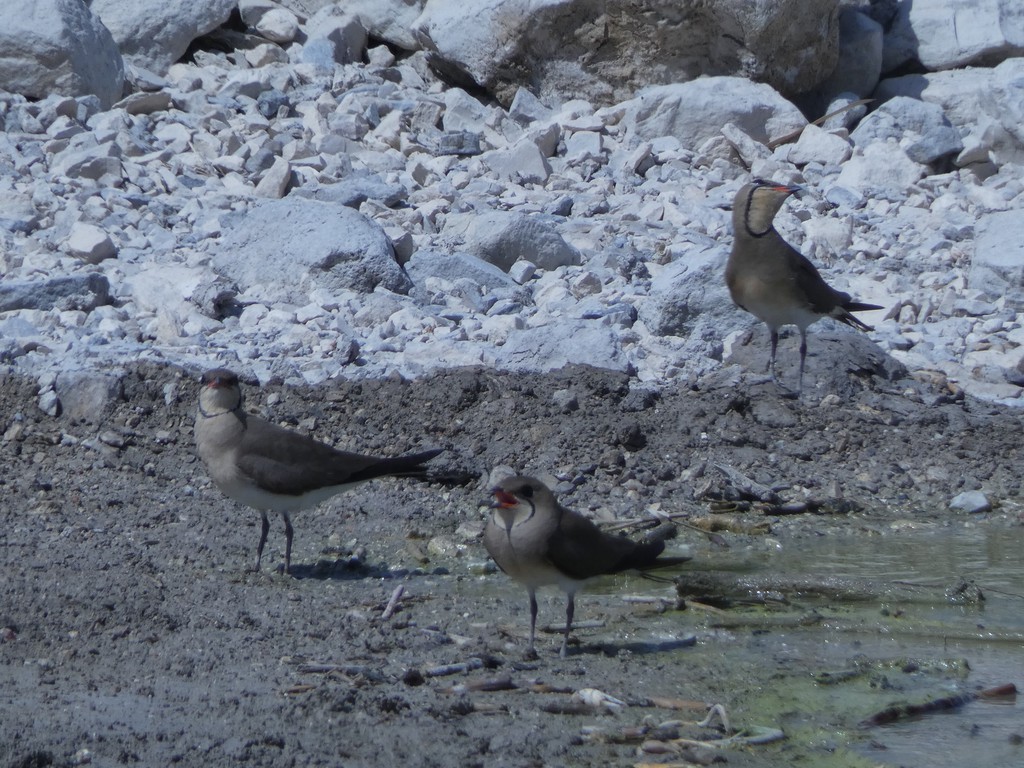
[(270, 468), (773, 281), (537, 542)]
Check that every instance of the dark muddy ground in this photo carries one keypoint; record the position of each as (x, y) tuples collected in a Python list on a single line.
[(133, 633)]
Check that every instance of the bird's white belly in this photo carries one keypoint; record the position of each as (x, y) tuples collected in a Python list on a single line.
[(776, 315), (541, 575), (250, 495)]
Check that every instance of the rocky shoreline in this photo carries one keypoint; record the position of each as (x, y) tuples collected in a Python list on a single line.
[(305, 216)]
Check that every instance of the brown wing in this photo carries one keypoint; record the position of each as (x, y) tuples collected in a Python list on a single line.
[(821, 297), (580, 550), (286, 462)]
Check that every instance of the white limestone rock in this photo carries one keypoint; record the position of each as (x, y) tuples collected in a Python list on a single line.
[(860, 60), (154, 34), (65, 292), (17, 212), (276, 180), (880, 166), (283, 249), (523, 163), (522, 271), (919, 127), (452, 266), (985, 105), (58, 46), (166, 286), (550, 45), (502, 238), (696, 111), (390, 20), (341, 31), (943, 34), (87, 395), (997, 267), (818, 146), (278, 25), (551, 347), (90, 243), (971, 502), (688, 292)]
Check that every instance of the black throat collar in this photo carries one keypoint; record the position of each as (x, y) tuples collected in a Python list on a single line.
[(746, 218)]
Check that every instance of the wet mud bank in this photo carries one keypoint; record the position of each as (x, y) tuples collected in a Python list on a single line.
[(133, 633)]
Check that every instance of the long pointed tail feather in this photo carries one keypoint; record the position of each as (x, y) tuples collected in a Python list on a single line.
[(844, 315)]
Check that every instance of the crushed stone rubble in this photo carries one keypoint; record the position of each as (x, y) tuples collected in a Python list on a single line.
[(300, 222)]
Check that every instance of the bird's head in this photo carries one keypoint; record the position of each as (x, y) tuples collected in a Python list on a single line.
[(220, 392), (516, 499), (757, 203)]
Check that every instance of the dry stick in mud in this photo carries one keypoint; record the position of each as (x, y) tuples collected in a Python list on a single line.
[(944, 704), (392, 606)]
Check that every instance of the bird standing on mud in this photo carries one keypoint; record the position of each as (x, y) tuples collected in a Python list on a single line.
[(773, 281), (537, 542), (272, 468)]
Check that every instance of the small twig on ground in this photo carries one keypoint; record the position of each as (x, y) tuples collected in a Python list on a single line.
[(300, 688), (454, 669), (548, 688), (794, 135), (747, 486), (392, 606), (571, 707), (317, 668), (944, 704)]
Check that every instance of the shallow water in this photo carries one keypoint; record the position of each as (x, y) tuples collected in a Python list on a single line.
[(817, 667), (906, 648)]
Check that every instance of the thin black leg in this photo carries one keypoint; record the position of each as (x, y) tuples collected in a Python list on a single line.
[(570, 610), (775, 346), (288, 533), (531, 651), (803, 356), (264, 530)]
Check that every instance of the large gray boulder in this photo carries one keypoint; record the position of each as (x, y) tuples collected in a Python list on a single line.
[(605, 50), (450, 266), (919, 127), (390, 20), (153, 34), (943, 34), (696, 111), (552, 347), (502, 238), (985, 105), (860, 61), (81, 291), (998, 264), (281, 250), (57, 47), (688, 292)]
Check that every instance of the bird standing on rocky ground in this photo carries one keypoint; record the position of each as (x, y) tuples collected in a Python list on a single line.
[(537, 542), (773, 281), (270, 468)]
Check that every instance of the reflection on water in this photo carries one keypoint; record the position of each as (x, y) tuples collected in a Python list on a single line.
[(908, 647), (986, 635)]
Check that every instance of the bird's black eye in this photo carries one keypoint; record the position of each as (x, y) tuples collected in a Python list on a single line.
[(526, 491)]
